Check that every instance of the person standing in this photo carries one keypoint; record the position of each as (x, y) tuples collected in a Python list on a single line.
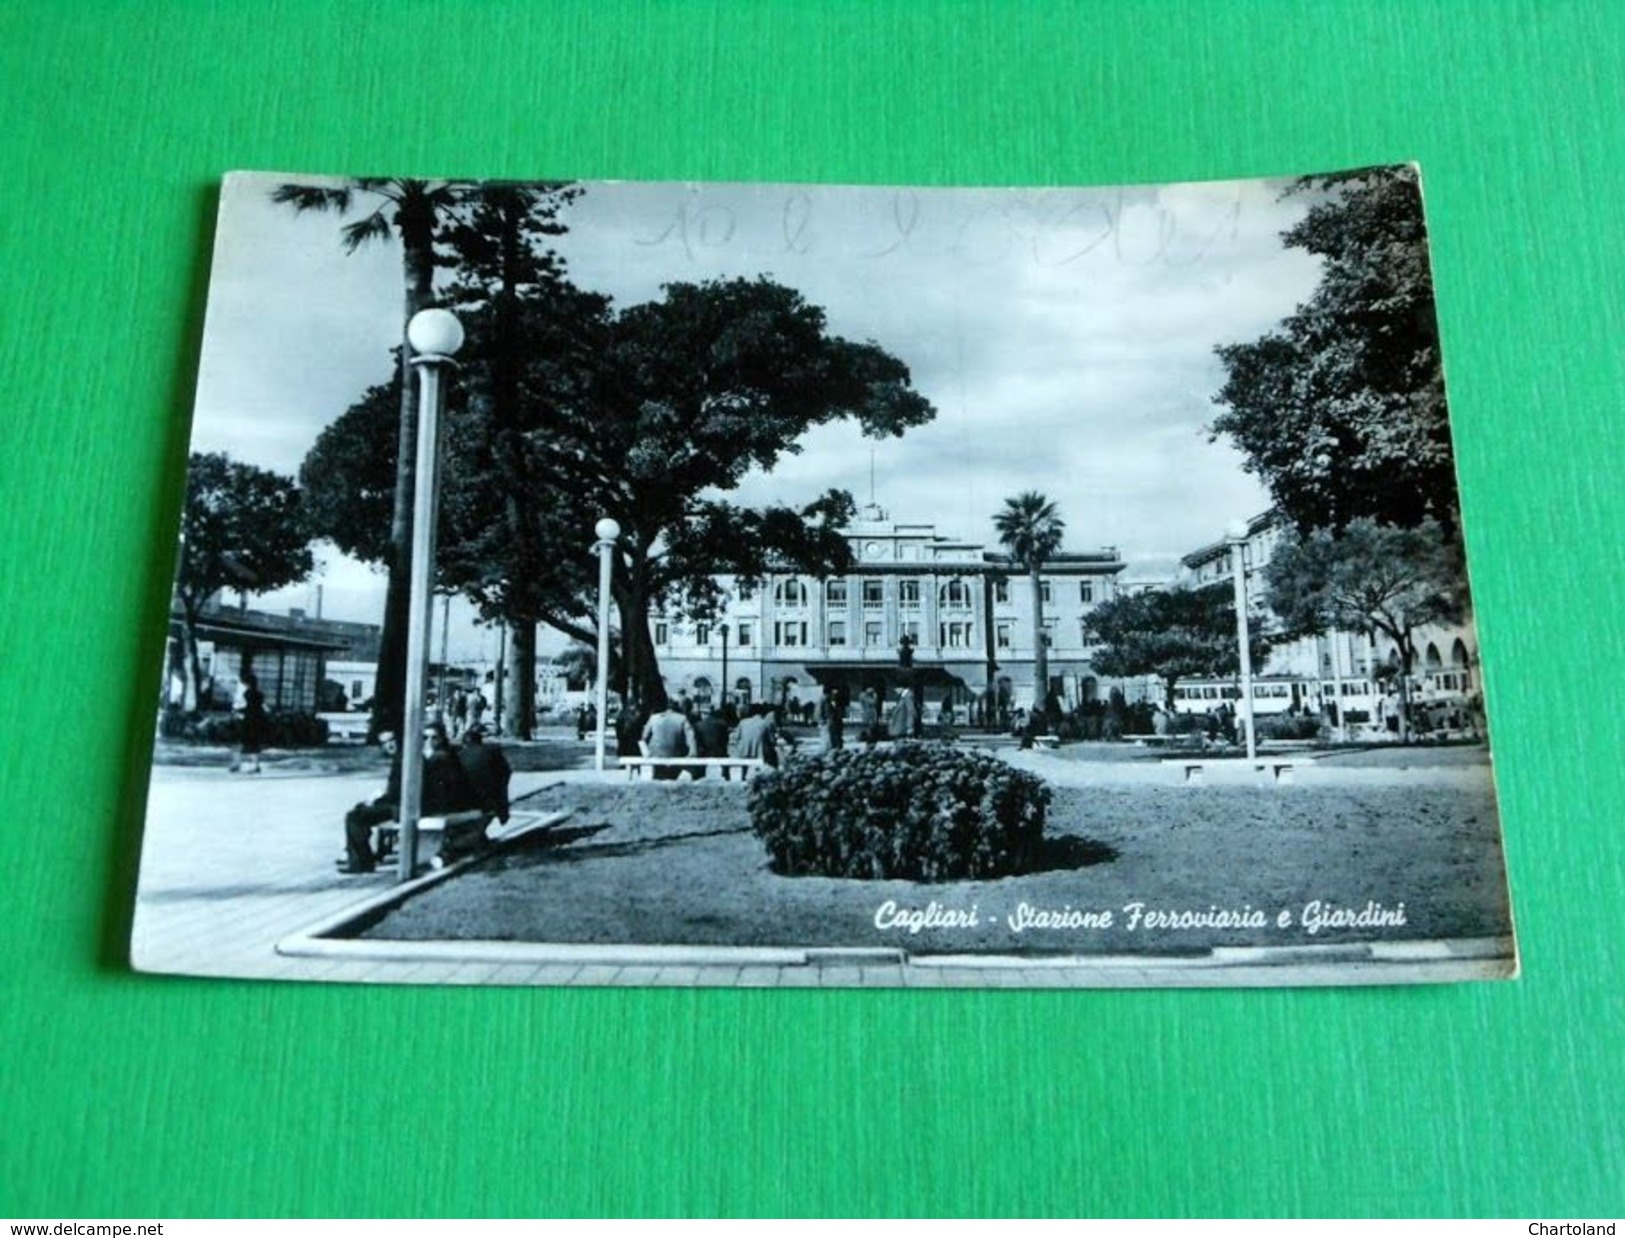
[(254, 725), (869, 714), (458, 711), (834, 710), (904, 715)]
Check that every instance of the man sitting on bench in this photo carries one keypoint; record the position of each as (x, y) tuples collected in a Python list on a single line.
[(359, 821), (488, 774), (669, 733)]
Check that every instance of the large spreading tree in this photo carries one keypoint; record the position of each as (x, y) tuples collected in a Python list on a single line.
[(695, 391), (1340, 410), (1174, 634), (651, 416), (1370, 577), (242, 527)]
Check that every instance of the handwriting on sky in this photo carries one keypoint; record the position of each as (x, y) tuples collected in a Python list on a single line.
[(1050, 229)]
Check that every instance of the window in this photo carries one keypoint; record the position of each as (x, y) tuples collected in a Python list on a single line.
[(1045, 592), (874, 594), (1001, 591), (1085, 637), (837, 632), (911, 629), (1049, 633), (908, 594), (662, 633), (956, 635), (873, 634), (790, 593), (355, 689), (744, 635), (1086, 592), (955, 595), (835, 593), (790, 632), (1001, 635), (702, 633), (747, 590)]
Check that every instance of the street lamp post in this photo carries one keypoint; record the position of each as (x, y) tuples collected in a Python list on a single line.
[(723, 698), (608, 533), (435, 336), (1237, 536)]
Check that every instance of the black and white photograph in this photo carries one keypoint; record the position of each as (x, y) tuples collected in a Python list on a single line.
[(617, 583)]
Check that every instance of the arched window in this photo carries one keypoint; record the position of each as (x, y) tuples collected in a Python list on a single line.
[(1431, 658), (1458, 654), (702, 691), (790, 593), (954, 595)]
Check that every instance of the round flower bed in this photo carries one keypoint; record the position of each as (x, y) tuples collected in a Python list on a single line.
[(919, 811)]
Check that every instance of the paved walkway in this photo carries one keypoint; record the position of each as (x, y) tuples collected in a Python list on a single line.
[(235, 866)]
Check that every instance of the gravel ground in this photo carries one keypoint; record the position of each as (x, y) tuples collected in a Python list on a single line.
[(1128, 869)]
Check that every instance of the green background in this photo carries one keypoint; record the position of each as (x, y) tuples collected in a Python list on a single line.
[(127, 1095)]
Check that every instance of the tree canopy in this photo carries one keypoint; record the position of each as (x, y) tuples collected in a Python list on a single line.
[(1340, 410), (1370, 577), (1174, 634), (650, 415), (242, 527)]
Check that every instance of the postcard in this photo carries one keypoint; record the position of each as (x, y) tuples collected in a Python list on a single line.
[(716, 584)]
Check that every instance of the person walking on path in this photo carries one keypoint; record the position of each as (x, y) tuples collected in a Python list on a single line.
[(254, 725)]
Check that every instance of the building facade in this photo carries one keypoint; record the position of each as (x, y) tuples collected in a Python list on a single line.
[(1311, 673), (964, 611)]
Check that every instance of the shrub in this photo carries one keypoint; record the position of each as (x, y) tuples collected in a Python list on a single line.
[(284, 728), (920, 811)]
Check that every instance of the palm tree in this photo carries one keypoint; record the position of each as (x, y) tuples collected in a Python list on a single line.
[(413, 211), (1030, 529)]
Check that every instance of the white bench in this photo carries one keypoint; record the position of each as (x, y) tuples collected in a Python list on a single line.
[(1194, 767), (430, 829), (644, 767)]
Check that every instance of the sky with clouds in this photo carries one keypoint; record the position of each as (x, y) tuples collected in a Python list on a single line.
[(1065, 337)]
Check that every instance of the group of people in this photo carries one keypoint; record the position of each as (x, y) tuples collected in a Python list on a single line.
[(465, 709), (683, 729), (677, 733), (471, 777)]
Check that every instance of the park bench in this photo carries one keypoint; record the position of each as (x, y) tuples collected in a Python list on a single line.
[(637, 767), (1193, 767), (389, 833)]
